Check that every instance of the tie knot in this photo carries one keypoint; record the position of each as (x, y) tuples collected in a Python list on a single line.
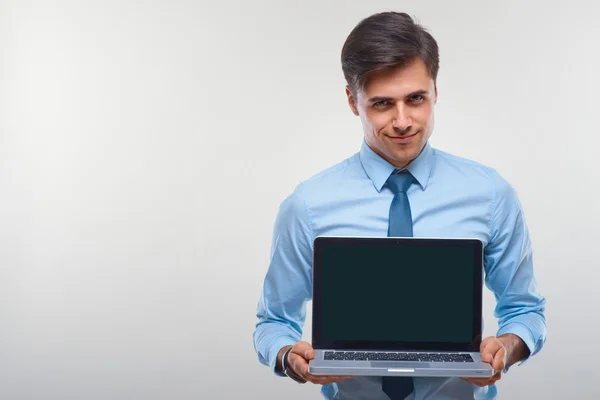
[(400, 182)]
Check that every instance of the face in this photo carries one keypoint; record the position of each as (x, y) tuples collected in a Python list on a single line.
[(395, 107)]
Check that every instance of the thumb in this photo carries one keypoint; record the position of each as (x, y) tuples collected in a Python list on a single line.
[(304, 350), (487, 357), (486, 354)]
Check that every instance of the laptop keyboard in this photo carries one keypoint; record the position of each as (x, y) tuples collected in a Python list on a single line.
[(388, 356)]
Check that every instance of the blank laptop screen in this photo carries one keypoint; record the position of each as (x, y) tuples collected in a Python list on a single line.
[(398, 291)]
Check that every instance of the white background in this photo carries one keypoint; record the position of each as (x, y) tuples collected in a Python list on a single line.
[(145, 148)]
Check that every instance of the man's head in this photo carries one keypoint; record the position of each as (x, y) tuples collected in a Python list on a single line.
[(391, 65)]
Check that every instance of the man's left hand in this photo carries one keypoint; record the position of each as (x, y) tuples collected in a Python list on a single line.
[(494, 352)]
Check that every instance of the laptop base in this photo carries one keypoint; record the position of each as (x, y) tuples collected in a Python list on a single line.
[(476, 369)]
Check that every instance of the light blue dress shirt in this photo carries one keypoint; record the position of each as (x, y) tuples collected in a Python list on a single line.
[(454, 198)]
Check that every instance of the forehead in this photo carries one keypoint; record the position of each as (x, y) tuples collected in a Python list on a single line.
[(398, 82)]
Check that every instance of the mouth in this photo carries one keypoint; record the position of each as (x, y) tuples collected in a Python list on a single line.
[(402, 139)]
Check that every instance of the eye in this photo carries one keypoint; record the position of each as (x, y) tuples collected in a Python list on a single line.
[(417, 99), (381, 104)]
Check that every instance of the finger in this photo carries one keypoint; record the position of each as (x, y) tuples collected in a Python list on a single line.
[(309, 354), (324, 380), (484, 349), (489, 347), (330, 377), (304, 349), (498, 361), (298, 360), (496, 377), (477, 381), (299, 365), (484, 344), (487, 356), (481, 382), (301, 348)]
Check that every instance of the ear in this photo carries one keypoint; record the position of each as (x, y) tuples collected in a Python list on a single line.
[(436, 95), (351, 101)]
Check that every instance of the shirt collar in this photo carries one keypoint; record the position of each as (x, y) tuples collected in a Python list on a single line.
[(379, 169)]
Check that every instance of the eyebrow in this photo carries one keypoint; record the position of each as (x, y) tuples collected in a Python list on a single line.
[(376, 99)]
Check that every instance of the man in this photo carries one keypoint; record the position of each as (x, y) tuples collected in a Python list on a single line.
[(391, 65)]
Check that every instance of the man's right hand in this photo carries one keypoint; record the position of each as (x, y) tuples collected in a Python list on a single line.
[(301, 354)]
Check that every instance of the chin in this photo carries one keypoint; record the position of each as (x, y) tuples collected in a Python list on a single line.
[(403, 158), (405, 154)]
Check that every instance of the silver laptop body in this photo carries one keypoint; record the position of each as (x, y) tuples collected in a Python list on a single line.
[(397, 307)]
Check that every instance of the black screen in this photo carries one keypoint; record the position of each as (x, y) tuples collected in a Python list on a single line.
[(400, 291)]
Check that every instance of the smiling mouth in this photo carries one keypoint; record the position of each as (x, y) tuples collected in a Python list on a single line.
[(402, 139)]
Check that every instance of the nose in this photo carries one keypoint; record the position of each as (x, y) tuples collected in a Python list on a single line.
[(402, 120)]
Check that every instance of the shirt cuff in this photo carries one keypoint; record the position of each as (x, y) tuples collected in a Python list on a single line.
[(277, 345), (524, 333)]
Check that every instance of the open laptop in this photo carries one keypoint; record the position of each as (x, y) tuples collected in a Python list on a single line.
[(397, 307)]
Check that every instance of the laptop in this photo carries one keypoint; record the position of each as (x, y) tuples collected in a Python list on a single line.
[(397, 307)]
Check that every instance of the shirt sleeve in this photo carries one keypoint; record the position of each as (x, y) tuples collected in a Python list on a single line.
[(509, 271), (287, 286)]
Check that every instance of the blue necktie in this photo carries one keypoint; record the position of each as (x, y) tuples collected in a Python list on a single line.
[(400, 225)]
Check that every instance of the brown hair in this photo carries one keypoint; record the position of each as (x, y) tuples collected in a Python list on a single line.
[(387, 40)]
